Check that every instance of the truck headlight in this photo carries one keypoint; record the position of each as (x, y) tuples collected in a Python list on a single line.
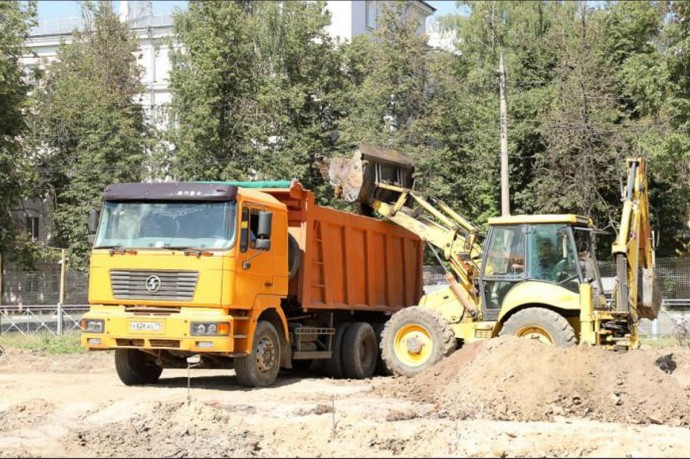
[(92, 325), (210, 328)]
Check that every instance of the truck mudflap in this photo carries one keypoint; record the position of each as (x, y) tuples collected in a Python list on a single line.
[(188, 331), (355, 179)]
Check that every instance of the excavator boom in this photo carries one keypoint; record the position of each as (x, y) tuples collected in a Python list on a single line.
[(637, 290)]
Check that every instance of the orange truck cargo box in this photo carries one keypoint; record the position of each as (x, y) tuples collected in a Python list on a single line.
[(348, 261)]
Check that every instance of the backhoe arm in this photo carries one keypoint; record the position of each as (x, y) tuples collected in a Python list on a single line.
[(633, 250)]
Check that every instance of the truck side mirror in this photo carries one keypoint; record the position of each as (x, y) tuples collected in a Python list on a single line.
[(94, 216), (263, 233), (265, 220)]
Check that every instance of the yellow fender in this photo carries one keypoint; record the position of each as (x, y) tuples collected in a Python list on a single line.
[(536, 292)]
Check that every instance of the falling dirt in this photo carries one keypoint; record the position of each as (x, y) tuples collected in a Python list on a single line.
[(500, 398)]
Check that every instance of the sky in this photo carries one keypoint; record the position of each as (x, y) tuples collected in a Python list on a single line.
[(60, 9)]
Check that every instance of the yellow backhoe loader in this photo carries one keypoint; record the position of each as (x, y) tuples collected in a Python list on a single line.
[(534, 276)]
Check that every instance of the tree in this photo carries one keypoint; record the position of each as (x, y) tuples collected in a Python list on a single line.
[(89, 126), (16, 19), (252, 86)]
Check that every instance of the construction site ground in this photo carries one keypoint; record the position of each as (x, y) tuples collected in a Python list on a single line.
[(505, 397)]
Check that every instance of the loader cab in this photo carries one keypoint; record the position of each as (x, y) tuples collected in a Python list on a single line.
[(546, 249)]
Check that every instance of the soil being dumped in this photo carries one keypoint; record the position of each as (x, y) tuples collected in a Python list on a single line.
[(516, 379)]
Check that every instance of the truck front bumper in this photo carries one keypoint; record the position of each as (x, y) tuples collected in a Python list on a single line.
[(122, 329)]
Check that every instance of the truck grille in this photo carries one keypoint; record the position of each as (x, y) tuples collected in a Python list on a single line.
[(154, 285)]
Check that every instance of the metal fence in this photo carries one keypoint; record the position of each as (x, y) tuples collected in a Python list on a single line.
[(30, 300)]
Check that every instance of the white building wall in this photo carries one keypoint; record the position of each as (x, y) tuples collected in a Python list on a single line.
[(341, 20)]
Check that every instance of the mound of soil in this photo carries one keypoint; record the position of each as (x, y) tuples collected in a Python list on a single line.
[(172, 430), (24, 414), (516, 379)]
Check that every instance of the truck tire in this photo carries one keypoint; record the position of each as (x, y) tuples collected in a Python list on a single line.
[(260, 367), (544, 325), (414, 339), (334, 365), (359, 351), (294, 257), (135, 367), (381, 367)]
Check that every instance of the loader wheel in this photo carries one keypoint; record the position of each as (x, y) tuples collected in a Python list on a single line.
[(381, 367), (414, 339), (541, 324), (135, 367), (260, 367), (359, 351), (334, 366)]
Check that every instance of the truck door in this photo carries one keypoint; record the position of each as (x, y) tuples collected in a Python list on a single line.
[(504, 266), (255, 267)]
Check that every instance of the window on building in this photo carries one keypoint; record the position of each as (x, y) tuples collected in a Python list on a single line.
[(371, 14), (32, 228)]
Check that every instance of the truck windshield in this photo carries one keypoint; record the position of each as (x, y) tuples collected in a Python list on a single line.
[(202, 225)]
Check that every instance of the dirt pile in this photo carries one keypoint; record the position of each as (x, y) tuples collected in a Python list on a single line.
[(172, 430), (24, 414), (517, 379)]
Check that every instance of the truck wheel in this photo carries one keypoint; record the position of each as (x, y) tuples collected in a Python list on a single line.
[(541, 324), (334, 365), (381, 367), (359, 351), (260, 367), (135, 367), (414, 339)]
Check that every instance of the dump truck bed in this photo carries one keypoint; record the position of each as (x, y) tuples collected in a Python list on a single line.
[(348, 261)]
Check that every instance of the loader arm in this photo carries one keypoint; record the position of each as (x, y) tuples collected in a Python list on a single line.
[(382, 179), (637, 291)]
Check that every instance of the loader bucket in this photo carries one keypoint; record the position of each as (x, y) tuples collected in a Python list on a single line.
[(355, 179), (649, 300)]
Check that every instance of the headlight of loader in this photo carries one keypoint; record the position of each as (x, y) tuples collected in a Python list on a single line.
[(210, 328), (92, 325)]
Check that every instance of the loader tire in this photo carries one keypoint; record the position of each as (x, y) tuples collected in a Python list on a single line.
[(414, 339), (135, 367), (334, 365), (541, 324), (381, 367), (260, 367), (360, 351)]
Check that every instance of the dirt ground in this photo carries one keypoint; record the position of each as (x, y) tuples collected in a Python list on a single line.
[(505, 397)]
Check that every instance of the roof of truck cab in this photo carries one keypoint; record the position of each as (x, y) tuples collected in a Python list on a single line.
[(569, 219)]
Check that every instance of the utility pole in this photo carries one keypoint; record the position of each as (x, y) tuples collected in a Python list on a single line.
[(505, 190)]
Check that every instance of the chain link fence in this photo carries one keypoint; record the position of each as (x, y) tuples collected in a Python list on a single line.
[(47, 299), (30, 300)]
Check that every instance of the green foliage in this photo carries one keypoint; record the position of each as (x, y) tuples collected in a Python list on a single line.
[(252, 90), (44, 342), (88, 123), (16, 19)]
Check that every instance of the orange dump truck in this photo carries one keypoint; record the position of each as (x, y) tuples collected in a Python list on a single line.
[(250, 275)]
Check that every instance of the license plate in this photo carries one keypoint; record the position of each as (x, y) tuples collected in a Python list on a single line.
[(146, 326)]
